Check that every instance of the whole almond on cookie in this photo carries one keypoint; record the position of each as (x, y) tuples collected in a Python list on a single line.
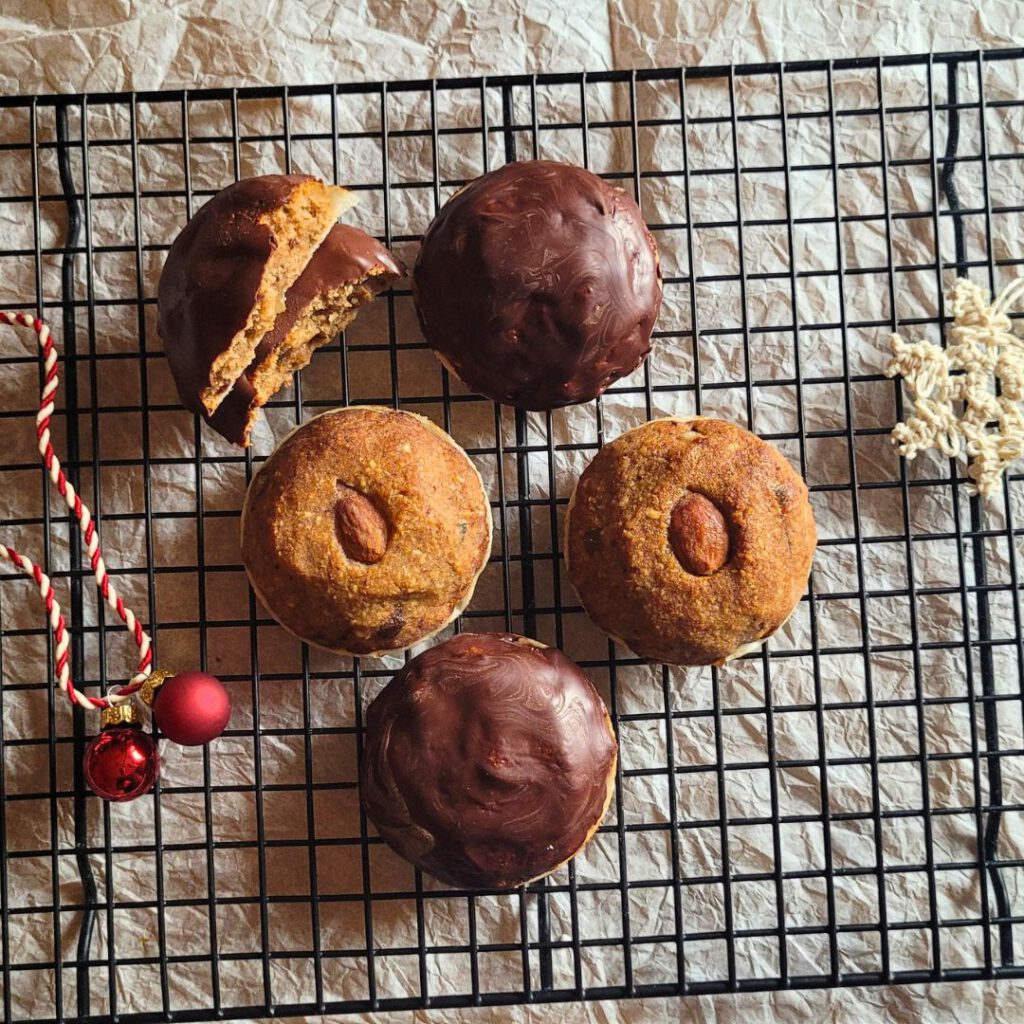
[(699, 535), (361, 529)]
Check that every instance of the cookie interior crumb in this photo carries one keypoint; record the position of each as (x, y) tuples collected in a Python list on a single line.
[(326, 317), (323, 319), (298, 227)]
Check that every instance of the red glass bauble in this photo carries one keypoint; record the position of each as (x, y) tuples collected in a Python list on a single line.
[(121, 763), (192, 708)]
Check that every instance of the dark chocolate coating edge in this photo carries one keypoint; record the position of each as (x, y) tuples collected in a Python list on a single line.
[(538, 285), (488, 760)]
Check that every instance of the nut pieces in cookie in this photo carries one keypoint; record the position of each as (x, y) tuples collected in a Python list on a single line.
[(362, 530), (698, 534)]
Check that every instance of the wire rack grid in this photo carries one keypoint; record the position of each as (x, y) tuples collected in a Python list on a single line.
[(842, 808)]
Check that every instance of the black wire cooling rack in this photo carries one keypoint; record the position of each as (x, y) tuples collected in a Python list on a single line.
[(877, 851)]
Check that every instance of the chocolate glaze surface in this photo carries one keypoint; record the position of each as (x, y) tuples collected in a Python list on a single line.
[(345, 255), (209, 282), (488, 760), (538, 285)]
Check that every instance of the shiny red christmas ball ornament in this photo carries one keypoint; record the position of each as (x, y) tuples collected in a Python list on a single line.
[(122, 762), (190, 708)]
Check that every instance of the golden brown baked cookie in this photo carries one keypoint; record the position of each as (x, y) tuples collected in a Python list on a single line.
[(365, 530), (689, 540)]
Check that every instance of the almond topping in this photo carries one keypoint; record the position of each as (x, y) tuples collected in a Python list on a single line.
[(362, 531), (698, 534)]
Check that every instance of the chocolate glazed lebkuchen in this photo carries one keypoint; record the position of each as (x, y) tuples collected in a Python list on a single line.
[(227, 273), (489, 760), (538, 285), (345, 273)]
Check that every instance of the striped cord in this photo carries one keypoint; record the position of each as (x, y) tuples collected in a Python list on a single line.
[(90, 534)]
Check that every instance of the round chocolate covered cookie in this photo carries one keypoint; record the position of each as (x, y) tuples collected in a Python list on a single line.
[(366, 530), (538, 285), (689, 540), (489, 760)]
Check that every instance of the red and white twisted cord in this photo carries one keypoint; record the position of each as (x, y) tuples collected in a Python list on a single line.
[(89, 533)]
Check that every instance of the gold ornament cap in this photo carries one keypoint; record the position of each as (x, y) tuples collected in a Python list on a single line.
[(125, 713), (153, 682)]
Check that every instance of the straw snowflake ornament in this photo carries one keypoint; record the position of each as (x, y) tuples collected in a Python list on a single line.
[(967, 397)]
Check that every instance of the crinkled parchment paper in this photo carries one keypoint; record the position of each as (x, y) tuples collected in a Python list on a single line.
[(164, 848)]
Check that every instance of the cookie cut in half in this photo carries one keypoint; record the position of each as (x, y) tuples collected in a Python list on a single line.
[(348, 270), (228, 272)]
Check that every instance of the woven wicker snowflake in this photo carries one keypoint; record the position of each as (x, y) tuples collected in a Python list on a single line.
[(967, 396)]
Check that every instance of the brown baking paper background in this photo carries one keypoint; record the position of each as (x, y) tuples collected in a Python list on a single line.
[(299, 723)]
